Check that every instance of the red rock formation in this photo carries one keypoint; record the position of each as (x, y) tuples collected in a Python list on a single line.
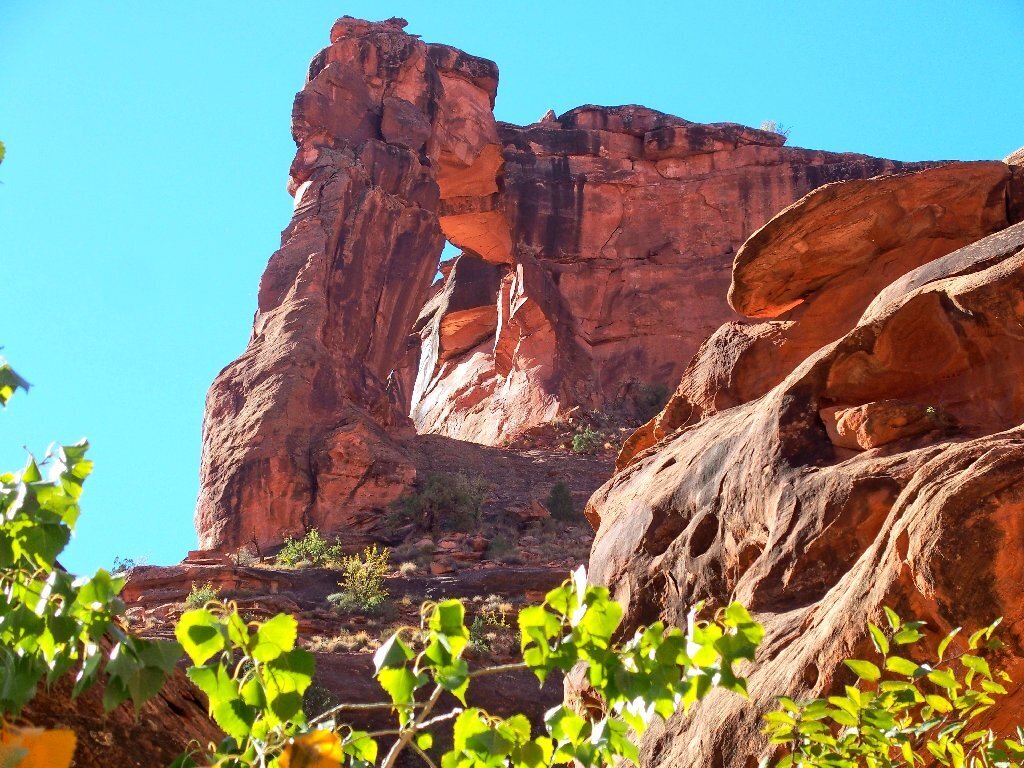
[(885, 468), (619, 226), (596, 254), (300, 431), (814, 268), (162, 730)]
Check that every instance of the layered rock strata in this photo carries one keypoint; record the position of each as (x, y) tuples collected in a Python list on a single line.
[(883, 468), (300, 431), (595, 258)]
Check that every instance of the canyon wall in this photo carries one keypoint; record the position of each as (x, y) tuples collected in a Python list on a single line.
[(595, 257), (860, 445)]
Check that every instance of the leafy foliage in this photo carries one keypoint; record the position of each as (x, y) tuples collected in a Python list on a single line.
[(902, 712), (559, 502), (311, 548), (255, 699), (255, 679), (446, 502), (51, 622), (586, 441), (201, 595), (10, 382), (362, 586)]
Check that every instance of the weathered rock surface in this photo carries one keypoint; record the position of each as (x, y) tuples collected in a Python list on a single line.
[(814, 268), (300, 430), (595, 258), (885, 468), (162, 731), (618, 228)]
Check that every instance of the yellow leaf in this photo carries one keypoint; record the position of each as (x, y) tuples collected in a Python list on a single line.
[(45, 749), (316, 749)]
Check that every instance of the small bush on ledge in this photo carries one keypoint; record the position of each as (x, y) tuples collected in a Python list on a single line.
[(362, 586), (446, 502), (311, 549)]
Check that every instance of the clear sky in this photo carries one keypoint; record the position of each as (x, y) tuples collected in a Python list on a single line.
[(148, 145)]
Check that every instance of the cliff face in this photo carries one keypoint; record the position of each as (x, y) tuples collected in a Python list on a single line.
[(596, 252), (300, 430), (612, 239), (883, 467)]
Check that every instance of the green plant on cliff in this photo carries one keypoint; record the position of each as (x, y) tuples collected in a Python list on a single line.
[(311, 549), (586, 441), (201, 595), (51, 623), (362, 585), (255, 678), (446, 502), (903, 712), (559, 502)]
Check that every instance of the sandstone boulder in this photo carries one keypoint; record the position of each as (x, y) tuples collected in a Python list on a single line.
[(815, 267), (884, 469)]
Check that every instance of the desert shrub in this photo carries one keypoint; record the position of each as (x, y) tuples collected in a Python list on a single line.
[(559, 502), (586, 441), (201, 595), (774, 127), (499, 546), (317, 700), (124, 564), (312, 548), (362, 585), (347, 641), (649, 399), (446, 502), (408, 568), (245, 558), (483, 632)]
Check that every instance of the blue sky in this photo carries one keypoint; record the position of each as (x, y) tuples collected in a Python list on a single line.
[(148, 145)]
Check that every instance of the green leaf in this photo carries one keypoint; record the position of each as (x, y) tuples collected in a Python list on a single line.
[(448, 618), (944, 644), (200, 634), (394, 653), (424, 741), (976, 664), (865, 670), (944, 679), (893, 618), (399, 683), (275, 637), (879, 639), (902, 666)]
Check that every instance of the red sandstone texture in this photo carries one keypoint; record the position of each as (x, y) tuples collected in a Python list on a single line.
[(596, 253), (885, 467), (300, 431)]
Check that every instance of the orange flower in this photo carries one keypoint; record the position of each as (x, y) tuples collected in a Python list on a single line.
[(37, 747), (316, 749)]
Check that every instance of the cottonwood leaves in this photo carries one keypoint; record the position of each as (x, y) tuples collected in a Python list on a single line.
[(52, 623)]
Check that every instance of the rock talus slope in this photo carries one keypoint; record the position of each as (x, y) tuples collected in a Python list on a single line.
[(883, 467), (596, 253)]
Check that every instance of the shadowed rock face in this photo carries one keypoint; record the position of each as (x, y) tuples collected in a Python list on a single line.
[(883, 468), (596, 252)]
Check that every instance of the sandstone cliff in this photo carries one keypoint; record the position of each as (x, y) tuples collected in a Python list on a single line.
[(596, 253), (816, 485)]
